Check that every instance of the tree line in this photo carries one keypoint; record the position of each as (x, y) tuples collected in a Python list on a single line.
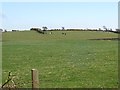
[(39, 30)]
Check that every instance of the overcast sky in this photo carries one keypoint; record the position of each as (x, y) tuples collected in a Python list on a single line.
[(25, 15)]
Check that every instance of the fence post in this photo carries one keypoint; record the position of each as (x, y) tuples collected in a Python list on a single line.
[(35, 79)]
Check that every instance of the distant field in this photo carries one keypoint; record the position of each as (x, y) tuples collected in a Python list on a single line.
[(68, 61)]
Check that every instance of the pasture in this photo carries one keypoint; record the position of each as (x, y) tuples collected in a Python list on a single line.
[(63, 61)]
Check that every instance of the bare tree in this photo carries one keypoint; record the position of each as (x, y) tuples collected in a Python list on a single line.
[(63, 28), (104, 27)]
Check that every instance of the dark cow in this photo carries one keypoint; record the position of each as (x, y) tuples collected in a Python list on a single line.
[(63, 33)]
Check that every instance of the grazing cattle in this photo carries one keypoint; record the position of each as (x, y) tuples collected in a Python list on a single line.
[(63, 33), (50, 33)]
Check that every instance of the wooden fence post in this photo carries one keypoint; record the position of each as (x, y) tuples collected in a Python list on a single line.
[(35, 79)]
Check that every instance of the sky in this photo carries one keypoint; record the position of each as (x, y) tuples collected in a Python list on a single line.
[(26, 15), (59, 0), (119, 15)]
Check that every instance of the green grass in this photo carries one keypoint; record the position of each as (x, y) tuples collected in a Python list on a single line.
[(68, 61), (0, 63)]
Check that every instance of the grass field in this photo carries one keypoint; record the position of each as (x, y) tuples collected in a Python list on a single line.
[(63, 61)]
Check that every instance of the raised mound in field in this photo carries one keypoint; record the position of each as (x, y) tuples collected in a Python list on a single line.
[(106, 39)]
